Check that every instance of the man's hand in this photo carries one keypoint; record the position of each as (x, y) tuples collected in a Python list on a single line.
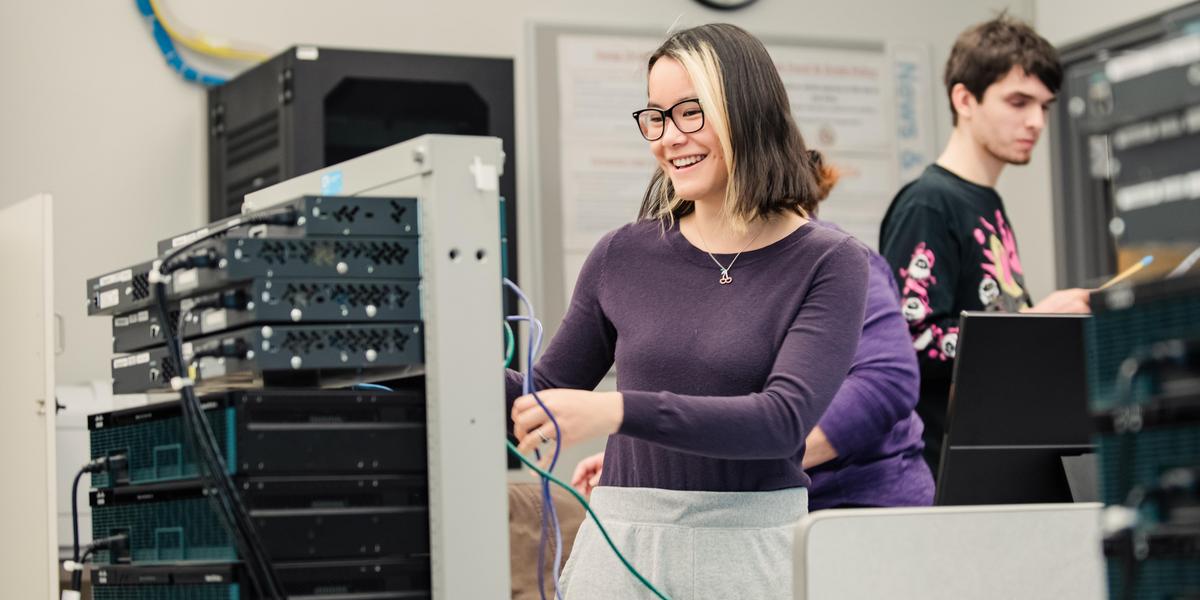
[(1074, 301)]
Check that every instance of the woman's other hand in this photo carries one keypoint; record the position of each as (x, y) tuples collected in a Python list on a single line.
[(587, 474)]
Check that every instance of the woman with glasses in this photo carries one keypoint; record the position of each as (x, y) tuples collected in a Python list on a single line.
[(866, 451), (732, 321)]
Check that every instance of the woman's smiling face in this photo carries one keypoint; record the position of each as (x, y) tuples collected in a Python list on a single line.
[(693, 161)]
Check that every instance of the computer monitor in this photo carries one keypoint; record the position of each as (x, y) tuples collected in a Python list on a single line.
[(1017, 418)]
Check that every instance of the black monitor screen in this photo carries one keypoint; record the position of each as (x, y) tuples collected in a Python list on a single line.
[(1018, 407)]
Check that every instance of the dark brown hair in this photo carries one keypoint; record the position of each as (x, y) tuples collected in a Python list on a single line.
[(745, 102), (985, 53)]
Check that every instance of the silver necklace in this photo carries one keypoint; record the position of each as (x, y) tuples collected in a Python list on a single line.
[(726, 279)]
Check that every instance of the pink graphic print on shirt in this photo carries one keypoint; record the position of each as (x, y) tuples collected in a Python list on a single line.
[(919, 274), (918, 278), (1000, 248), (947, 346)]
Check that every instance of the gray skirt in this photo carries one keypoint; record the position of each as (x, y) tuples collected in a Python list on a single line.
[(690, 545)]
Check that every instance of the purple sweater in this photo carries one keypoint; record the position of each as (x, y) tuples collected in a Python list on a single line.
[(722, 383), (871, 422)]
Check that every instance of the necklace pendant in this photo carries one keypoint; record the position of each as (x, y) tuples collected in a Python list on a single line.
[(725, 278)]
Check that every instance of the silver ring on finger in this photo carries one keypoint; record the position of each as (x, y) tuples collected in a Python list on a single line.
[(542, 436)]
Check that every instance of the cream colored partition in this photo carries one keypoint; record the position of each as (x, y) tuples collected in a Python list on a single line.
[(29, 555), (1030, 551)]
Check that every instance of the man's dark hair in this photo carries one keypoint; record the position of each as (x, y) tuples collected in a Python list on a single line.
[(985, 53)]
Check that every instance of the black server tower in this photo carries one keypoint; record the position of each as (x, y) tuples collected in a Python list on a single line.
[(312, 107)]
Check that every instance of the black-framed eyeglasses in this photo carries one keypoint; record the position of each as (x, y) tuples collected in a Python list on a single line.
[(687, 116)]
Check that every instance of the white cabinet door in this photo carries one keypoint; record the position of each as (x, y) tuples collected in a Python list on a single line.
[(28, 561)]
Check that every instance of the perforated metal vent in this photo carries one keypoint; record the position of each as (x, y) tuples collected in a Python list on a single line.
[(349, 340), (353, 294), (275, 252)]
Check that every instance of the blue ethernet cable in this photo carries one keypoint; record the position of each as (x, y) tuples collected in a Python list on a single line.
[(549, 513), (167, 47), (373, 386)]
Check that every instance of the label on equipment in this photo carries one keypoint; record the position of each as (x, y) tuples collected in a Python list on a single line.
[(120, 276), (331, 183), (187, 238), (186, 280), (110, 298), (129, 361), (210, 367), (127, 320), (213, 321)]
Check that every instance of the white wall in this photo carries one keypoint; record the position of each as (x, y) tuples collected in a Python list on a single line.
[(1067, 21), (91, 113), (1027, 190)]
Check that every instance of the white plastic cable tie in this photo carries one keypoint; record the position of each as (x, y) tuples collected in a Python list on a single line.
[(71, 566), (71, 595), (178, 383), (156, 275), (487, 178), (1118, 518)]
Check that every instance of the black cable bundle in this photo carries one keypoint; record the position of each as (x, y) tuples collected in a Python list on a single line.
[(171, 262), (214, 473), (223, 494), (97, 465)]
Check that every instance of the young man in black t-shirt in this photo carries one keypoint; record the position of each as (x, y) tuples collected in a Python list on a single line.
[(946, 234)]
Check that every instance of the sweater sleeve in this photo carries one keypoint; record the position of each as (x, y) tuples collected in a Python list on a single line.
[(581, 352), (811, 363), (883, 384), (924, 256)]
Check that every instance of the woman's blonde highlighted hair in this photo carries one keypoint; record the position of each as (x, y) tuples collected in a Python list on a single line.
[(745, 103)]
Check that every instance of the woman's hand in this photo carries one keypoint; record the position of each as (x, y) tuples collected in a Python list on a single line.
[(817, 449), (581, 416), (587, 474)]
